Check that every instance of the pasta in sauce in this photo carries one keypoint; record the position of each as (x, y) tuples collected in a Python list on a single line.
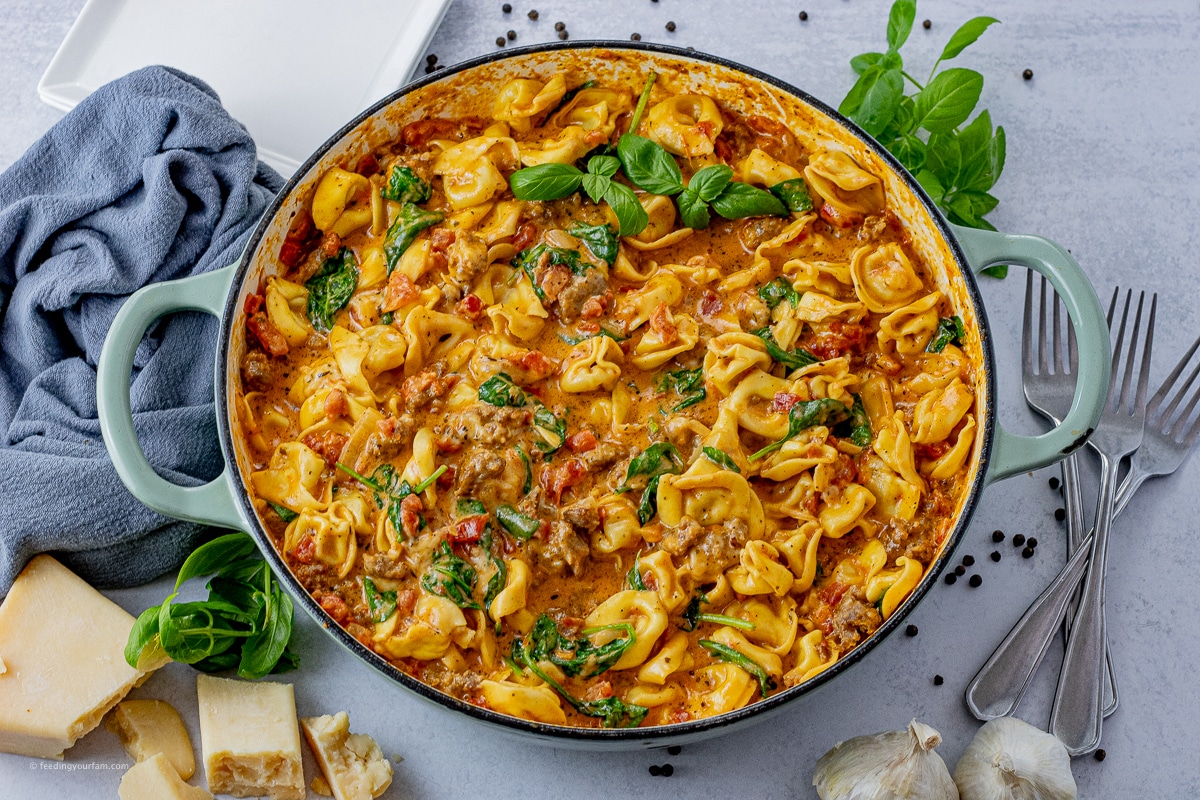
[(593, 480)]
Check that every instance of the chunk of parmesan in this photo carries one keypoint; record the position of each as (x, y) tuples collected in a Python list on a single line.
[(64, 647), (352, 763), (149, 727), (156, 779), (249, 738)]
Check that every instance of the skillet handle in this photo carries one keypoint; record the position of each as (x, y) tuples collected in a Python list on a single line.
[(1011, 453), (212, 503)]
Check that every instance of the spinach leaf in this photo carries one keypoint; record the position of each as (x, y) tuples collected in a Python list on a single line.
[(404, 230), (776, 291), (613, 712), (687, 383), (575, 657), (404, 186), (794, 194), (740, 200), (808, 414), (600, 239), (212, 555), (545, 182), (633, 578), (726, 653), (528, 485), (331, 288), (390, 489), (660, 458), (950, 330), (285, 514), (528, 261), (860, 423), (495, 585), (450, 577), (605, 332), (499, 390), (792, 360), (721, 619), (264, 648), (648, 505), (721, 459), (470, 507), (691, 614), (519, 525), (551, 428), (381, 605)]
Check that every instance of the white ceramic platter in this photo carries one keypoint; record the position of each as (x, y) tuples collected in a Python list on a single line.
[(292, 71)]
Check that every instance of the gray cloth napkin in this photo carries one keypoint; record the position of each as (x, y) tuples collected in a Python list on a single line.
[(148, 179)]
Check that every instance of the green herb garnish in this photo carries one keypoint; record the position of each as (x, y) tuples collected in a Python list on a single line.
[(551, 428), (612, 710), (450, 577), (499, 390), (777, 291), (660, 458), (808, 414), (794, 359), (405, 187), (575, 657), (381, 605), (469, 507), (687, 383), (860, 423), (285, 514), (554, 181), (794, 194), (691, 614), (721, 459), (950, 330), (331, 288), (404, 230), (722, 619), (726, 653), (633, 578), (390, 490)]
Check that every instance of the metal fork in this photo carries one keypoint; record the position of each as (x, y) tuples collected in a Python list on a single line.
[(1077, 715)]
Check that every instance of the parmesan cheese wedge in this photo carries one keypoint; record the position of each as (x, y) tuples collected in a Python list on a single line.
[(156, 779), (149, 727), (249, 738), (63, 644), (352, 763)]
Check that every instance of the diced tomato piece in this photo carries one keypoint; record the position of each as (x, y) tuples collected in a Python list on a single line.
[(679, 715), (838, 218), (335, 607), (410, 515), (710, 304), (336, 404), (328, 445), (536, 364), (400, 292), (471, 307), (783, 402), (305, 551), (253, 304), (525, 236), (557, 478), (446, 479), (331, 243), (582, 441), (832, 594), (440, 239), (930, 452), (469, 529)]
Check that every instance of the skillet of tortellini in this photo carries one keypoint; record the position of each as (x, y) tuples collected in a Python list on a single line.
[(580, 454)]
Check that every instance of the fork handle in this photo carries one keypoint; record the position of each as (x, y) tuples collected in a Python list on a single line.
[(1010, 453)]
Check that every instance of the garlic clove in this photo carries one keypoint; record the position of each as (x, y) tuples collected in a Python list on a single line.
[(1009, 759), (895, 765)]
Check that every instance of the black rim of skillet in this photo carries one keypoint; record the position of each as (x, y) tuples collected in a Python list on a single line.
[(600, 735)]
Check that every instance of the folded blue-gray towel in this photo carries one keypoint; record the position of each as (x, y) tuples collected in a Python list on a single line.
[(148, 179)]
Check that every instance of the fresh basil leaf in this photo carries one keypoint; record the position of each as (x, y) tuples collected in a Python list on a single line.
[(997, 152), (950, 330), (901, 124), (740, 200), (726, 653), (219, 662), (287, 662), (331, 288), (404, 230), (606, 166), (545, 182), (450, 577), (966, 35), (910, 151), (632, 218), (262, 651), (792, 360), (975, 147), (595, 186), (777, 291), (880, 92), (211, 556), (943, 157), (380, 605), (892, 60), (404, 186), (805, 415), (793, 193), (710, 181), (519, 525), (145, 628), (693, 211), (721, 459), (649, 166), (900, 22), (860, 62), (599, 239), (948, 99), (932, 186)]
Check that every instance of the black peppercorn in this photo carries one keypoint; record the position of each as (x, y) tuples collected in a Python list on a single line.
[(997, 536), (674, 750), (563, 35), (969, 560), (667, 770), (560, 26), (951, 578), (1054, 483), (511, 35), (506, 8), (1031, 542), (635, 37), (1060, 514), (431, 58), (976, 581), (429, 69), (1027, 74), (1018, 540), (533, 14), (960, 570), (1027, 552), (995, 555), (1099, 755), (911, 630), (671, 26), (938, 680), (655, 769), (927, 24), (499, 41), (803, 16)]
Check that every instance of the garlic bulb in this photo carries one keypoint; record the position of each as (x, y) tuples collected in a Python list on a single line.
[(1012, 760), (895, 765)]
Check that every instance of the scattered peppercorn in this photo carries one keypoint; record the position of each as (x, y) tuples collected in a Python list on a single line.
[(969, 560), (511, 35), (1027, 552), (533, 14), (560, 26), (431, 58), (1060, 514), (1032, 542), (655, 769), (635, 37), (997, 536), (911, 630), (927, 24), (803, 16), (1054, 483), (500, 41), (671, 26), (1027, 74), (429, 68), (938, 680), (563, 35), (960, 570), (995, 555), (951, 578), (506, 8), (1018, 540), (1100, 755), (667, 770), (674, 750), (976, 581)]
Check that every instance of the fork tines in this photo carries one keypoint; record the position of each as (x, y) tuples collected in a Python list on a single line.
[(1122, 401), (1176, 425)]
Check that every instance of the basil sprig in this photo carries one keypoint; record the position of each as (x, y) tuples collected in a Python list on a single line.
[(956, 164), (808, 414), (554, 181)]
